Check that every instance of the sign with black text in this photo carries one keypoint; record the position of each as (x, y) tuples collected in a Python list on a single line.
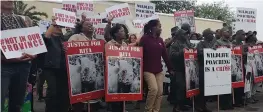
[(217, 71)]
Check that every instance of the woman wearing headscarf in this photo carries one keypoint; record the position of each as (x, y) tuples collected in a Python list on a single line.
[(153, 49)]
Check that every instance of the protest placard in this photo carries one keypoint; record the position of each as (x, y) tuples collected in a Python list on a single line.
[(123, 73), (99, 30), (237, 67), (84, 60), (144, 10), (185, 16), (69, 6), (119, 12), (43, 24), (245, 19), (95, 20), (191, 72), (217, 71), (85, 7), (25, 40), (249, 72), (138, 24), (65, 18), (256, 62)]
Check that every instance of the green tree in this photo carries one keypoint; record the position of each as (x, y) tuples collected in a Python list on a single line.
[(216, 10), (170, 6), (20, 8)]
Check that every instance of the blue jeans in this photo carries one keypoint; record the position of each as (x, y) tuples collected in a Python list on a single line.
[(13, 83)]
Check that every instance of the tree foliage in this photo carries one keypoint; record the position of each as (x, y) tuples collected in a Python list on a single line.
[(171, 6), (20, 8), (216, 10)]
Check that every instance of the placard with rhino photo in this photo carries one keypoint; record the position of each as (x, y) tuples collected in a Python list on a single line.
[(124, 74), (85, 70)]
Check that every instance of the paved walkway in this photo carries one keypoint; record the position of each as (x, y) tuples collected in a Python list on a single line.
[(166, 107)]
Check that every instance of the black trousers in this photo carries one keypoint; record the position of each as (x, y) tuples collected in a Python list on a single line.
[(57, 98), (13, 83), (178, 89), (40, 82), (200, 99), (117, 106), (239, 93), (225, 101)]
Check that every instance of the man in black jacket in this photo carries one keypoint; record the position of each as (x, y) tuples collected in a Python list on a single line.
[(57, 98), (207, 43)]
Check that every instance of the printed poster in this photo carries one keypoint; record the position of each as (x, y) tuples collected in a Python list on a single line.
[(95, 20), (191, 72), (257, 62), (217, 71), (43, 24), (185, 16), (237, 67), (85, 7), (249, 73), (65, 18), (245, 19), (69, 6), (85, 66), (144, 10), (138, 24), (99, 30), (123, 73), (119, 12), (24, 40)]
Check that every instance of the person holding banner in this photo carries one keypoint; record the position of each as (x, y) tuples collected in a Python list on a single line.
[(83, 32), (225, 100), (239, 92), (153, 50), (206, 43), (251, 40), (57, 98), (14, 72), (107, 35), (118, 35), (178, 84)]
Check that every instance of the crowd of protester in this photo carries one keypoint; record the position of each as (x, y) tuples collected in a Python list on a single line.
[(51, 66)]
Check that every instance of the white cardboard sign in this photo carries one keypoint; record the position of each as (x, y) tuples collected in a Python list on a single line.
[(119, 12), (217, 71), (144, 10), (25, 40), (100, 30), (65, 18)]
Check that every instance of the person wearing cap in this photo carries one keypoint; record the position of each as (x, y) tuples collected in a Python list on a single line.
[(239, 92), (176, 54), (208, 42), (173, 31), (225, 38), (225, 100), (251, 40), (218, 34)]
